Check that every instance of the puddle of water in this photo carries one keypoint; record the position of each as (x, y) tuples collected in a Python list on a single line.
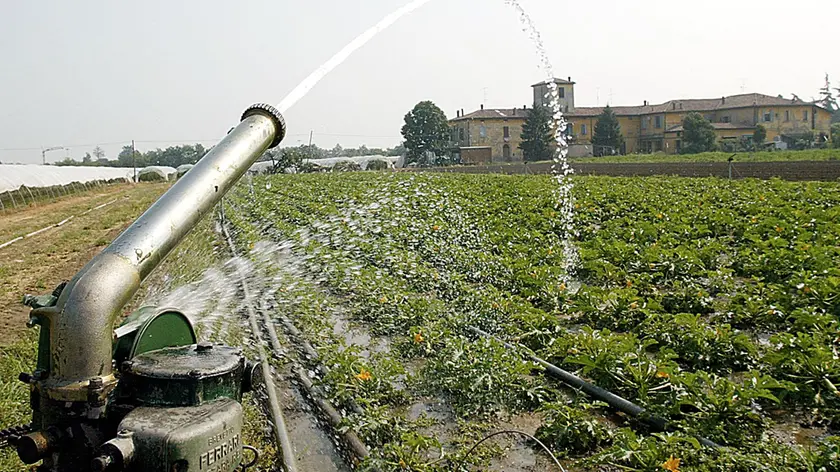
[(518, 455), (356, 336)]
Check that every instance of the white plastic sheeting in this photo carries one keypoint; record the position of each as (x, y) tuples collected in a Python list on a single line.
[(329, 162), (12, 177), (183, 169), (361, 160), (261, 167), (166, 173)]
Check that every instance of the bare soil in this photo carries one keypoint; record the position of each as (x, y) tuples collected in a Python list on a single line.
[(36, 265)]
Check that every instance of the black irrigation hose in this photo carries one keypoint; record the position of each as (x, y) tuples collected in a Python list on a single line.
[(311, 353), (594, 391), (281, 434), (335, 419), (351, 438), (509, 431)]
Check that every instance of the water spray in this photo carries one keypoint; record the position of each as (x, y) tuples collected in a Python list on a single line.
[(144, 396)]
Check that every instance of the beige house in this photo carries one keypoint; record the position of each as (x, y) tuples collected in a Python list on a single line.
[(647, 128)]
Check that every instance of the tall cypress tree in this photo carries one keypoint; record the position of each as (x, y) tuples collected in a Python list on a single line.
[(537, 134), (607, 138)]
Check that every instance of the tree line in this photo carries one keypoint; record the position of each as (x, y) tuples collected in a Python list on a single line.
[(175, 156)]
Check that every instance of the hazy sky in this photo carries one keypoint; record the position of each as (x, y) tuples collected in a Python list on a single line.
[(83, 73)]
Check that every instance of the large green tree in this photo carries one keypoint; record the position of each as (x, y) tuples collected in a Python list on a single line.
[(827, 99), (698, 134), (607, 138), (835, 135), (537, 134), (426, 129), (759, 136)]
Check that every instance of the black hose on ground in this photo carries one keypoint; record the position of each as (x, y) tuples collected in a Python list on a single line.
[(611, 399)]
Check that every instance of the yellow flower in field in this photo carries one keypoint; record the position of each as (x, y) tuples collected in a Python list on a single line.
[(779, 229), (672, 464), (634, 305), (383, 299), (435, 228), (364, 375), (403, 464), (418, 337), (660, 215), (754, 219), (629, 284), (663, 375), (761, 198), (562, 287)]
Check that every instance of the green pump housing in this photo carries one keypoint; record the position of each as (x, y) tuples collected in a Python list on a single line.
[(144, 395)]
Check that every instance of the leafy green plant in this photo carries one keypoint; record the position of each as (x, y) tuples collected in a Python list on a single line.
[(811, 363), (721, 410), (700, 345), (572, 430), (482, 376)]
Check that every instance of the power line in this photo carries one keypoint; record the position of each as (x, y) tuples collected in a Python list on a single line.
[(181, 141)]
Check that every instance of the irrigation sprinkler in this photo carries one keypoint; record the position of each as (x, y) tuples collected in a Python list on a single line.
[(144, 396)]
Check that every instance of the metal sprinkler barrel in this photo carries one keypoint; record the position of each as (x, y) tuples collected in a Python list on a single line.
[(80, 402)]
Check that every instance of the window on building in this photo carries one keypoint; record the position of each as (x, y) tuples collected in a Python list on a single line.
[(460, 134), (482, 131), (506, 152), (768, 117), (726, 119), (583, 130), (507, 131), (562, 92), (805, 115), (657, 122), (787, 115), (645, 122)]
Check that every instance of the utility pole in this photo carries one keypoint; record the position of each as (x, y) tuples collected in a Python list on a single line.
[(311, 132), (45, 151), (134, 160)]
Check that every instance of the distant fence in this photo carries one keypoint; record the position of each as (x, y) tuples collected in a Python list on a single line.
[(787, 170)]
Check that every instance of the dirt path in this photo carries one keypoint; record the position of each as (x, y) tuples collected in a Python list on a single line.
[(36, 265)]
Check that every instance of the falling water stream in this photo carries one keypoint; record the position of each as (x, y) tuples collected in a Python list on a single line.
[(562, 171)]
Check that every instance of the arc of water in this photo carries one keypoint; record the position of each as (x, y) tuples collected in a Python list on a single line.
[(304, 87)]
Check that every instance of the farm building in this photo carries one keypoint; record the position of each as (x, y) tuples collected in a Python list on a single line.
[(647, 128)]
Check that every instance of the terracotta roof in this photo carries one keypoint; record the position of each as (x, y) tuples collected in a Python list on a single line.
[(595, 111), (694, 104), (556, 81), (732, 126), (698, 105), (494, 113)]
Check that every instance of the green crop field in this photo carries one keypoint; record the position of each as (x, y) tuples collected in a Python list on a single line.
[(763, 156), (713, 304)]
